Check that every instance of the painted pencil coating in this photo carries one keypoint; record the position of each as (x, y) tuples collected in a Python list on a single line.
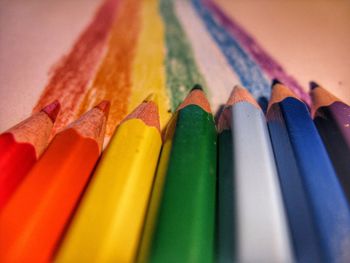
[(326, 202), (122, 183), (303, 232), (33, 220), (226, 236), (184, 230), (157, 191), (261, 221), (21, 146), (331, 117)]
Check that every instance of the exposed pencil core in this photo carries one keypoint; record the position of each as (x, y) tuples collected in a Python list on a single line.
[(104, 106), (275, 81), (197, 86), (147, 112), (240, 94), (313, 85), (196, 97), (52, 110)]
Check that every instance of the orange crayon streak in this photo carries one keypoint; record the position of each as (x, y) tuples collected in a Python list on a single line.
[(113, 79), (21, 146), (32, 222)]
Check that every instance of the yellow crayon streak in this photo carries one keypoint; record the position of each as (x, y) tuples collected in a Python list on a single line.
[(148, 72), (108, 224)]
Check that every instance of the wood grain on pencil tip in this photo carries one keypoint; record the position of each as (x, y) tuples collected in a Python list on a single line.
[(196, 97), (21, 146), (147, 112), (33, 220)]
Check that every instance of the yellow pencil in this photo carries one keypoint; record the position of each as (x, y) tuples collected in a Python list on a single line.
[(108, 224)]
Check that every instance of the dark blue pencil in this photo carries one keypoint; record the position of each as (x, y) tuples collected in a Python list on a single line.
[(318, 213)]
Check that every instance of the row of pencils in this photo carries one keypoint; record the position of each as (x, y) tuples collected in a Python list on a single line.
[(256, 187)]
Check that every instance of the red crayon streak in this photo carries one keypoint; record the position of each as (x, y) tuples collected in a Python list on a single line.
[(71, 78)]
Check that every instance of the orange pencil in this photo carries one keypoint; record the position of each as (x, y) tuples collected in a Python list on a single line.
[(32, 222), (21, 146)]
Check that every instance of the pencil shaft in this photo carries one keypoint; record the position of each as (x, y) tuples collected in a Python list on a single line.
[(185, 228), (303, 232), (108, 224), (336, 145), (32, 222), (226, 232), (326, 198), (261, 223)]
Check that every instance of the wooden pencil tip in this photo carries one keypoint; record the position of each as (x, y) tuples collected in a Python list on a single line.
[(279, 93), (52, 110), (147, 112), (313, 85), (275, 81), (104, 106), (240, 94), (196, 97), (197, 87)]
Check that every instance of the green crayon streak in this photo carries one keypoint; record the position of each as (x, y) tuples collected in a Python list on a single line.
[(186, 220), (181, 69)]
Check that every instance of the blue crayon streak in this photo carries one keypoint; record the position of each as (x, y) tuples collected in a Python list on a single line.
[(326, 199), (249, 73)]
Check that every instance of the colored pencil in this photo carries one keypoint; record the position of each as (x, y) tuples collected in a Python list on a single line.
[(261, 225), (33, 220), (225, 230), (309, 183), (332, 119), (21, 146), (184, 231), (303, 232), (108, 224)]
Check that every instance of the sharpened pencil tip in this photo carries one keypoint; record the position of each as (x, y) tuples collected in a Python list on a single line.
[(275, 81), (197, 87), (313, 85), (52, 110), (151, 97), (104, 106)]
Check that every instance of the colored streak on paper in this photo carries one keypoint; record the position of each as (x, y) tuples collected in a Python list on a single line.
[(269, 65), (71, 77), (113, 79), (148, 72), (250, 74), (218, 74), (181, 68)]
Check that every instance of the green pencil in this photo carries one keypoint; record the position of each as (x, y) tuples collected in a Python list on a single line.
[(184, 230)]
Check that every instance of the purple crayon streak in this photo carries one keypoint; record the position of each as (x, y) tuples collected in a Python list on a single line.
[(270, 66)]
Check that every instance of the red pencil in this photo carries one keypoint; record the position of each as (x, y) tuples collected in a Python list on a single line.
[(33, 221), (21, 146)]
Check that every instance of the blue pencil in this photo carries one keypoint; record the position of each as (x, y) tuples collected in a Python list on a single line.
[(318, 213)]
